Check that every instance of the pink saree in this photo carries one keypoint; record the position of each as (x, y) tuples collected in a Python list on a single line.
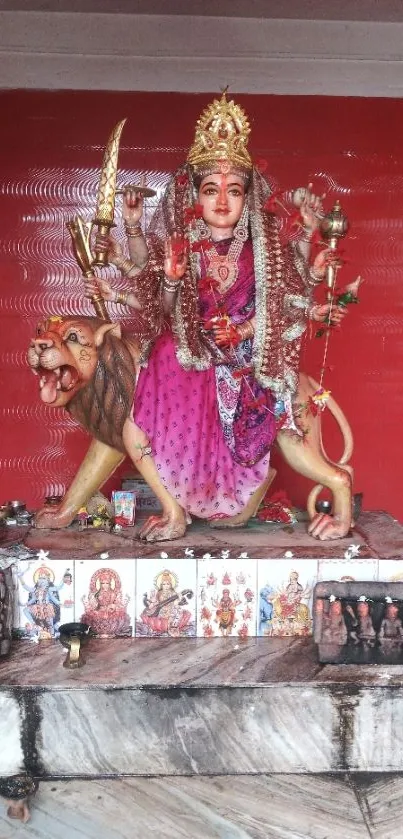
[(210, 430)]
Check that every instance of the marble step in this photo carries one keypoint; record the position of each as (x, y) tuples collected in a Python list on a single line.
[(169, 707), (226, 807)]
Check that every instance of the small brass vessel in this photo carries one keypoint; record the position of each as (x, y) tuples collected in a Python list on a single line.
[(73, 636)]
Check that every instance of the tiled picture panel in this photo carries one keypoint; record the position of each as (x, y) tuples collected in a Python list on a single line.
[(179, 597), (105, 595), (348, 570), (285, 588), (390, 570), (166, 598), (226, 597), (45, 596)]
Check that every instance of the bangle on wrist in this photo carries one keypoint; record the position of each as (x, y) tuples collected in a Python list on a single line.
[(121, 297), (245, 330), (169, 286), (126, 266), (134, 234), (314, 277), (133, 230)]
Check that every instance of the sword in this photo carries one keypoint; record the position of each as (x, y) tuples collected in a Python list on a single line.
[(80, 232), (104, 218)]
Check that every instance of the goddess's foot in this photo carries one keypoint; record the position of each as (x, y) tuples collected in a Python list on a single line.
[(325, 527), (230, 521), (165, 527)]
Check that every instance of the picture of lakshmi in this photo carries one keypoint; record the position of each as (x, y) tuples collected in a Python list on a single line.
[(106, 606), (163, 613)]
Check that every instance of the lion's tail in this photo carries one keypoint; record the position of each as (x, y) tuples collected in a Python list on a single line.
[(342, 421), (348, 444)]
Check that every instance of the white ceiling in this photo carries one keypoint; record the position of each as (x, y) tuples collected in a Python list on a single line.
[(347, 48), (358, 10)]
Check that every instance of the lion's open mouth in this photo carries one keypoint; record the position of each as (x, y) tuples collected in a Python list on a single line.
[(51, 382)]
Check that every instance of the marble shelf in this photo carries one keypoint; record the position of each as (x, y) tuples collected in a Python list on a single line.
[(158, 707)]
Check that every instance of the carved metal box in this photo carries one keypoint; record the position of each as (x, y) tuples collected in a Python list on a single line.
[(359, 623), (6, 609)]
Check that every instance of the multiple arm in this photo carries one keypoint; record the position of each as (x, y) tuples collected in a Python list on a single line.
[(175, 262)]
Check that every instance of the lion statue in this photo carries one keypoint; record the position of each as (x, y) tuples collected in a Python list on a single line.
[(85, 366)]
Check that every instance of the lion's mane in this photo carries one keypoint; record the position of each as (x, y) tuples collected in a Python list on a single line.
[(105, 402)]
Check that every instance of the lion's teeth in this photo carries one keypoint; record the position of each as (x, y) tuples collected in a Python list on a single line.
[(42, 381), (57, 371), (58, 386)]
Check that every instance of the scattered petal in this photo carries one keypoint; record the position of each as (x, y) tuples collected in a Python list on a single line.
[(104, 555), (289, 554), (163, 555)]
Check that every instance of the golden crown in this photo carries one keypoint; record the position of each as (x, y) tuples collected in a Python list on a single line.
[(221, 135)]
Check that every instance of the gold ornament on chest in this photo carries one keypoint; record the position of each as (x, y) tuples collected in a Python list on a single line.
[(223, 268)]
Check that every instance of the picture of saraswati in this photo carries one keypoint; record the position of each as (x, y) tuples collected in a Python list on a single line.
[(164, 613)]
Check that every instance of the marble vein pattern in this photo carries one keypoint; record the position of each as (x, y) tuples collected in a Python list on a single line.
[(188, 731), (381, 802), (265, 807), (167, 662), (11, 755), (377, 744)]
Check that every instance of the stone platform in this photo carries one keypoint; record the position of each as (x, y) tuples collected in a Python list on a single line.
[(225, 807), (159, 707)]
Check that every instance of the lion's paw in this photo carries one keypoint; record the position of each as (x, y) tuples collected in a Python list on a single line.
[(52, 518), (325, 527)]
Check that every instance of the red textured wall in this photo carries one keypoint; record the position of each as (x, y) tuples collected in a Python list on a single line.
[(51, 151)]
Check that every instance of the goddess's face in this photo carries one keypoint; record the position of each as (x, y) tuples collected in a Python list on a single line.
[(222, 198)]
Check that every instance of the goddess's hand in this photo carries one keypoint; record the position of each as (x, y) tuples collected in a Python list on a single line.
[(320, 313), (94, 287), (133, 204), (224, 332), (325, 257), (311, 209), (176, 250), (112, 247)]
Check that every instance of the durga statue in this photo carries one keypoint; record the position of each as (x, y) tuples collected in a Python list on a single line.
[(209, 379)]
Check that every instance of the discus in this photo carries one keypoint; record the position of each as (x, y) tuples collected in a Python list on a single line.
[(144, 191)]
